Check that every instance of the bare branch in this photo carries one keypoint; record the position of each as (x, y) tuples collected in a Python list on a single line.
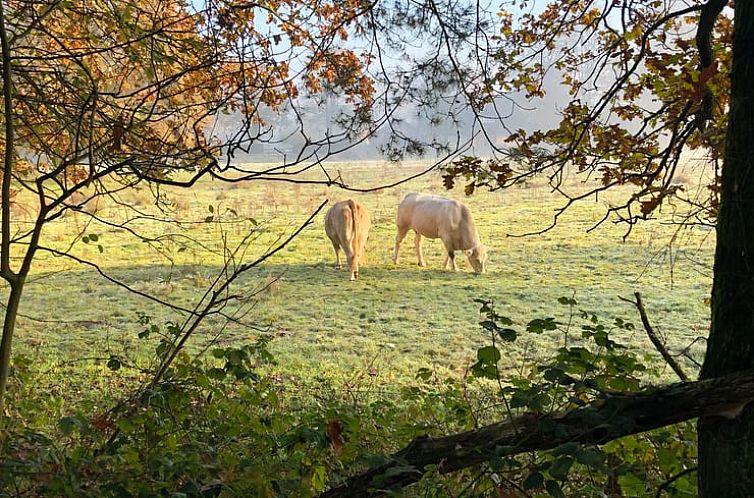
[(656, 342)]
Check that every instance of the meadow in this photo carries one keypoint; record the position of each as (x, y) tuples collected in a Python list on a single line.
[(385, 326)]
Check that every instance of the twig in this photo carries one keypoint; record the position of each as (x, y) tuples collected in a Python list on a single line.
[(673, 479), (203, 310), (659, 346)]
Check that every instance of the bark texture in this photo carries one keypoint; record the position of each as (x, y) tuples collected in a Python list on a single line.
[(726, 447), (607, 418)]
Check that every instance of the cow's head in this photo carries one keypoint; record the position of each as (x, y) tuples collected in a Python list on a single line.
[(478, 258)]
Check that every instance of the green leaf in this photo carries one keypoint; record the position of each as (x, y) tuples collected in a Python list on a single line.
[(631, 485), (93, 237), (488, 354), (668, 460), (553, 488), (508, 335), (319, 478), (218, 353), (113, 363), (100, 248), (534, 480), (588, 456), (560, 467), (539, 325), (216, 373), (568, 301), (208, 219), (503, 320), (554, 374), (484, 372), (68, 424), (485, 486), (424, 373), (211, 208)]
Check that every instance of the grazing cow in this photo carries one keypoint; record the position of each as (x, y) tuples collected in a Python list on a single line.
[(437, 217), (347, 224)]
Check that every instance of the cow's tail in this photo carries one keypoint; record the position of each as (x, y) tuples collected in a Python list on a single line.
[(353, 239)]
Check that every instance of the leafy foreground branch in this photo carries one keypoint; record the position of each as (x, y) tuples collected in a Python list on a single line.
[(607, 418)]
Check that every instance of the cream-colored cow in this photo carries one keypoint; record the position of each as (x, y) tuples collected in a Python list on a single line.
[(347, 224), (435, 217)]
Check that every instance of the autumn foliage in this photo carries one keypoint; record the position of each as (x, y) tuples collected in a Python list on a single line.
[(134, 87), (647, 84)]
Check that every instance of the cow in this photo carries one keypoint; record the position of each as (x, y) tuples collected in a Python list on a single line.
[(347, 225), (434, 217)]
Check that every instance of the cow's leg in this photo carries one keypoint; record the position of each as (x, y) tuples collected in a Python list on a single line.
[(418, 247), (335, 246), (402, 231), (353, 266), (452, 258), (356, 260)]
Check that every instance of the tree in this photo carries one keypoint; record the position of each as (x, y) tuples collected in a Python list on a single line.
[(701, 93), (100, 97), (641, 92), (725, 457)]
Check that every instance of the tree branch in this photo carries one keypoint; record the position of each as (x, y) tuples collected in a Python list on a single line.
[(659, 346), (5, 269), (664, 486), (707, 18), (607, 418)]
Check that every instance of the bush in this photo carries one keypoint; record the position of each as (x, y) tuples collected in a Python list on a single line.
[(226, 425)]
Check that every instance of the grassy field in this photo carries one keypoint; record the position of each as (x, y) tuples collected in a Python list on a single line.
[(395, 318)]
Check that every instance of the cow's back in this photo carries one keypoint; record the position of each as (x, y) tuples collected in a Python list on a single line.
[(429, 215)]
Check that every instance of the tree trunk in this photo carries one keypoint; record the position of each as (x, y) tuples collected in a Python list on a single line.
[(726, 447), (9, 325), (16, 282)]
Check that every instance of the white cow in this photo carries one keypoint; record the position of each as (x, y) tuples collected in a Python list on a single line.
[(437, 217), (347, 225)]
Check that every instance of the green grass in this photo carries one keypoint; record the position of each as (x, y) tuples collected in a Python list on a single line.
[(395, 318)]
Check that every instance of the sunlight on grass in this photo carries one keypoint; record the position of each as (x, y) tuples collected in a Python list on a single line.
[(395, 318)]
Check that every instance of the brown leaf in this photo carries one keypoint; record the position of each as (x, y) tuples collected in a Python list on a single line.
[(504, 491), (335, 435), (119, 132), (448, 181)]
